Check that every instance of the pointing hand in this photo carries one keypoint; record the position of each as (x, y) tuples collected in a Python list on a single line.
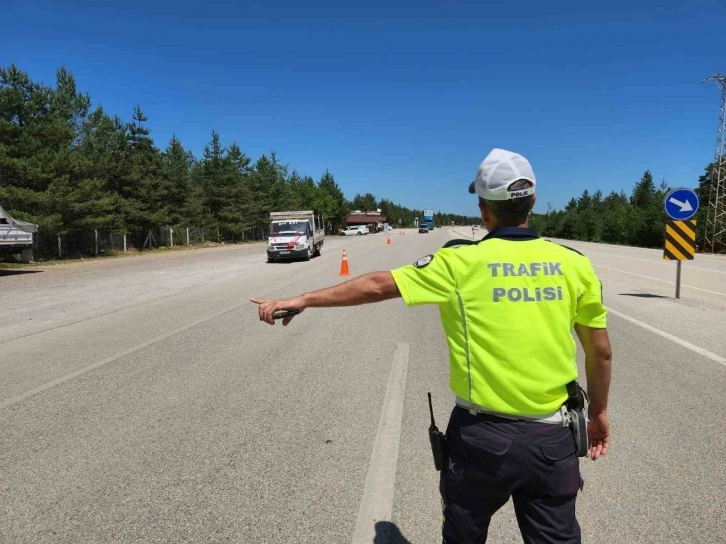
[(267, 308)]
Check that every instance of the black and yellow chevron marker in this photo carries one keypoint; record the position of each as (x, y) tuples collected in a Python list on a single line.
[(680, 240)]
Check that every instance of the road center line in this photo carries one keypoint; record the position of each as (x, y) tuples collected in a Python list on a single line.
[(377, 502), (657, 279), (675, 339)]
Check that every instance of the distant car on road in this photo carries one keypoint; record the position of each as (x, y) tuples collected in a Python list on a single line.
[(423, 229), (357, 230)]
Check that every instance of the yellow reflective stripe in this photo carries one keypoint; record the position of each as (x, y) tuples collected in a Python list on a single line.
[(676, 237), (673, 250), (462, 309)]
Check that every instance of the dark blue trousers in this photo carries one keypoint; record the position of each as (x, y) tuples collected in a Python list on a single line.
[(492, 459)]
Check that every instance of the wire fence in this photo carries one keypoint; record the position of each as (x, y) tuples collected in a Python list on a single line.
[(100, 242)]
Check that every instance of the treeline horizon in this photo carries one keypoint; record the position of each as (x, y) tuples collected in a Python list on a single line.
[(72, 168), (637, 219)]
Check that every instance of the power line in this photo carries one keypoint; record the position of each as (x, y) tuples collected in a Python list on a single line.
[(715, 236)]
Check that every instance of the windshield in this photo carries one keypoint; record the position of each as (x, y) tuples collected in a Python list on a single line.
[(292, 228)]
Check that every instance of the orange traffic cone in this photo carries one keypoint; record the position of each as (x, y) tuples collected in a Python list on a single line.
[(388, 240), (344, 271)]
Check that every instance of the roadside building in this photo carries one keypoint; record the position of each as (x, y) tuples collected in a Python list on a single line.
[(373, 220)]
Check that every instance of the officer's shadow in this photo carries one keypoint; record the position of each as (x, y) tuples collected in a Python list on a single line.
[(388, 533)]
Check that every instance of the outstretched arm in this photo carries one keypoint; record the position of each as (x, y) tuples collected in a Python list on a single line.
[(372, 287)]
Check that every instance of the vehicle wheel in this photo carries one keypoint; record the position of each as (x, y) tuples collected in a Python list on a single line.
[(319, 250), (359, 234), (309, 254)]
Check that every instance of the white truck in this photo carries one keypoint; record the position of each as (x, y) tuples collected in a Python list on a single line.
[(16, 237), (294, 235)]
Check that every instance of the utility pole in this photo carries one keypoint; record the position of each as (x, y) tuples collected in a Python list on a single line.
[(715, 236)]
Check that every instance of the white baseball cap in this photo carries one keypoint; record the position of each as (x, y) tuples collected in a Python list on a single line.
[(498, 171)]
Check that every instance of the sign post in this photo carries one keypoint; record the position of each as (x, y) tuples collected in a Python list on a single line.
[(680, 236), (678, 279)]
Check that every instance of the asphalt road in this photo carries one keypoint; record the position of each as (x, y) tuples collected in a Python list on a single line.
[(142, 401)]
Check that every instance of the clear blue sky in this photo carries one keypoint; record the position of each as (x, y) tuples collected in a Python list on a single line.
[(403, 99)]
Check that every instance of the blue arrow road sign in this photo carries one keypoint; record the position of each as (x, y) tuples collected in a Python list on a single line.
[(681, 204)]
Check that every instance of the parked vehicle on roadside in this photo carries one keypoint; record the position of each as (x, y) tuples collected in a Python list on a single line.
[(294, 235), (358, 230), (16, 238)]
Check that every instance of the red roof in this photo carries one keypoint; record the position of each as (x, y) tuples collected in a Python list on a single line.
[(363, 219)]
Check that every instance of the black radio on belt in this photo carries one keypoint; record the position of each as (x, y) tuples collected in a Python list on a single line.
[(577, 402), (438, 442)]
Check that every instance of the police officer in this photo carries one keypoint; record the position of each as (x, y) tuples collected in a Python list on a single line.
[(508, 306)]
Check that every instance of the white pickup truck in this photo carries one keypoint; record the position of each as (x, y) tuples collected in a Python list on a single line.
[(16, 237), (294, 235)]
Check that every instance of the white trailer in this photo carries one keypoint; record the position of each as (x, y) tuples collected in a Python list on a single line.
[(16, 237), (294, 235)]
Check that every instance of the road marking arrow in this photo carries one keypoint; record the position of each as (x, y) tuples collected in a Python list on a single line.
[(685, 206)]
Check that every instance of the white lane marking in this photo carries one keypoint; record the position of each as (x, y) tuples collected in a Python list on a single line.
[(104, 314), (14, 400), (456, 232), (679, 341), (658, 279), (377, 502), (574, 243), (652, 261), (81, 371), (467, 234)]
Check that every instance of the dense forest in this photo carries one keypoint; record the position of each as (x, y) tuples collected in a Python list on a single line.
[(637, 219), (76, 170)]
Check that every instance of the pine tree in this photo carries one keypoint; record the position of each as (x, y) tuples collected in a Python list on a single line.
[(68, 107), (644, 191), (386, 207), (584, 201), (365, 203), (301, 192), (258, 187), (144, 188), (102, 146), (335, 208), (208, 182), (309, 192), (231, 215), (28, 145)]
